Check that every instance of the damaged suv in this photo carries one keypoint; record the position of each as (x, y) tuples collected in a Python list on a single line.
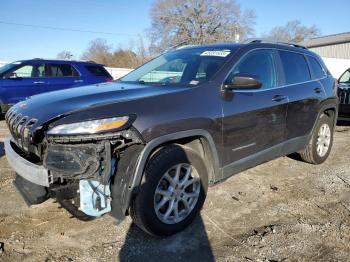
[(150, 144)]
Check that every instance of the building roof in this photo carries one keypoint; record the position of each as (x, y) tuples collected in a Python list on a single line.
[(327, 40)]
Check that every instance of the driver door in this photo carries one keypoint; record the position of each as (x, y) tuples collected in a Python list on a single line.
[(22, 82), (254, 120)]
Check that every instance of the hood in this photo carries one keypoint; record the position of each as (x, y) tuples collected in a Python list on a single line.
[(52, 105)]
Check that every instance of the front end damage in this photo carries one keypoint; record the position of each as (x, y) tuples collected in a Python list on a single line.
[(88, 175)]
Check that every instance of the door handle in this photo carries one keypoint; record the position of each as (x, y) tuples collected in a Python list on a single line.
[(317, 90), (279, 98), (78, 81), (38, 82)]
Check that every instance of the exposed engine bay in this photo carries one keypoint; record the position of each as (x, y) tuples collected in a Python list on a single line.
[(82, 171)]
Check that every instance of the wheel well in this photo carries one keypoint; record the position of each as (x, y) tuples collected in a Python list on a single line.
[(200, 145), (330, 112)]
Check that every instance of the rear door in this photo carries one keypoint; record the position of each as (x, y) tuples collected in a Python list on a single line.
[(254, 120), (63, 76), (26, 80), (304, 94)]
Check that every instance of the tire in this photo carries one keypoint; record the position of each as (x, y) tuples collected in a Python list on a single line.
[(143, 208), (311, 154)]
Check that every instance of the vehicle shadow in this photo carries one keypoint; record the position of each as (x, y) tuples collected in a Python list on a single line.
[(2, 149), (192, 244), (295, 156), (343, 123)]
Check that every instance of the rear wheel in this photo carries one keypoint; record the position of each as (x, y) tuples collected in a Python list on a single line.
[(319, 147), (172, 192)]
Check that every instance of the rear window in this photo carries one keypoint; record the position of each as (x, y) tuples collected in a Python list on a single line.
[(317, 70), (295, 67), (62, 70), (98, 71)]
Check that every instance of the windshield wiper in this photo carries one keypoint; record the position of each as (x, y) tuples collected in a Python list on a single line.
[(142, 82)]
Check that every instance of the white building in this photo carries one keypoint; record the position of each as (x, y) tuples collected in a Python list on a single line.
[(334, 49)]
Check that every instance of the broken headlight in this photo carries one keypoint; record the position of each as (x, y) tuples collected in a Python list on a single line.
[(90, 127)]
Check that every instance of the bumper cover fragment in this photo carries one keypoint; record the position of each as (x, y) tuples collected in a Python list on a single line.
[(33, 173)]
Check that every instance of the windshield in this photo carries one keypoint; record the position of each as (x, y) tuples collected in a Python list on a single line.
[(345, 77), (185, 66), (7, 67)]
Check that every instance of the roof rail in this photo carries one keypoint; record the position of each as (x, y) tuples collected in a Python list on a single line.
[(65, 60), (260, 40)]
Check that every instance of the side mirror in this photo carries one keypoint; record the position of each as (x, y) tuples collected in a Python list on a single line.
[(243, 81), (13, 76)]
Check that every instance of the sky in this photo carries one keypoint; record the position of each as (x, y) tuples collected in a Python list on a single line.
[(122, 21)]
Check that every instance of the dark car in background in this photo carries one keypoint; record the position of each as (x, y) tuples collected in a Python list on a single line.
[(344, 96), (21, 79), (150, 144)]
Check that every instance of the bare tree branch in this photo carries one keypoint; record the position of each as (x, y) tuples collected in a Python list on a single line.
[(65, 55), (293, 31), (198, 22)]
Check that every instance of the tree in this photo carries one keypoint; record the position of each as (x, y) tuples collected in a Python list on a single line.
[(65, 55), (293, 31), (142, 52), (98, 51), (101, 52), (124, 58), (198, 22)]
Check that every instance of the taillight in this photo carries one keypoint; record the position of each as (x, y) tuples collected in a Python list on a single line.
[(109, 79)]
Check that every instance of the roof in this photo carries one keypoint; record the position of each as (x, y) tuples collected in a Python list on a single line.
[(327, 40), (59, 60), (254, 42)]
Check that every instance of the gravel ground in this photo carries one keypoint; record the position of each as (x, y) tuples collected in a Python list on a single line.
[(284, 210)]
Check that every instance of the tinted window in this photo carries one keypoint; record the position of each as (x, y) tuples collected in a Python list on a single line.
[(98, 71), (259, 64), (317, 70), (345, 77), (62, 70), (28, 71), (295, 67)]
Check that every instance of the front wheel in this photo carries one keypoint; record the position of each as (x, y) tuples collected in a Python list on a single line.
[(319, 147), (172, 192)]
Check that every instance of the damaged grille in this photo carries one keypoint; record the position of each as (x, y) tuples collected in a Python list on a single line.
[(19, 126), (344, 96)]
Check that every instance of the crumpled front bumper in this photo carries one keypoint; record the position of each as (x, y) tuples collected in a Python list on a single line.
[(35, 174)]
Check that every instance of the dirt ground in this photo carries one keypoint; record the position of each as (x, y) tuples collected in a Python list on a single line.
[(284, 210)]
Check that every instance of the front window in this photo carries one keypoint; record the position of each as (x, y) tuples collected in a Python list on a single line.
[(345, 77), (185, 66), (259, 64), (28, 71)]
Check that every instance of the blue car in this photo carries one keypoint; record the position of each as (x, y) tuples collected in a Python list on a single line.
[(21, 79)]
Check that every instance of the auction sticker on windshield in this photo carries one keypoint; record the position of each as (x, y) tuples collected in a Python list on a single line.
[(221, 53)]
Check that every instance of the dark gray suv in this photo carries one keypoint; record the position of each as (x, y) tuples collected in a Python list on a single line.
[(150, 144)]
